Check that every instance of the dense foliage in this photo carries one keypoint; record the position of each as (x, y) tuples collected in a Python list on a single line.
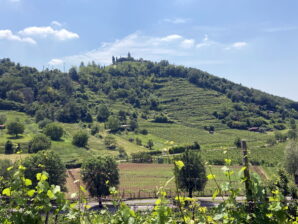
[(54, 131), (85, 92), (99, 174)]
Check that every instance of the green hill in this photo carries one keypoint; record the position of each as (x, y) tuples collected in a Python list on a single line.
[(171, 103)]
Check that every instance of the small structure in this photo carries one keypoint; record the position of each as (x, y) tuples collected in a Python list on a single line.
[(2, 126), (255, 129)]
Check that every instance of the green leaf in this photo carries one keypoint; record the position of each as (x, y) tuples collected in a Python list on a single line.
[(28, 182), (50, 194), (216, 192), (6, 192), (179, 164), (210, 176), (30, 193)]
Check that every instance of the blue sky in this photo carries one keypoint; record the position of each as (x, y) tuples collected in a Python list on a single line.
[(252, 42)]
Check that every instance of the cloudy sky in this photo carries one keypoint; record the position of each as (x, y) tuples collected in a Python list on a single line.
[(252, 42)]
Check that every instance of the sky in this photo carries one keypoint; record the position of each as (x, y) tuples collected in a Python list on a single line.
[(252, 42)]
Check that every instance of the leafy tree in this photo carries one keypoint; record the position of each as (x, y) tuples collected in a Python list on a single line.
[(110, 142), (80, 139), (8, 147), (47, 161), (237, 142), (291, 158), (138, 141), (133, 124), (94, 129), (39, 142), (113, 124), (2, 119), (54, 131), (103, 113), (192, 176), (292, 134), (150, 144), (15, 128), (100, 174), (293, 124)]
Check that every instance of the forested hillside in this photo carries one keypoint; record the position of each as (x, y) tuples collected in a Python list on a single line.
[(137, 105), (143, 86)]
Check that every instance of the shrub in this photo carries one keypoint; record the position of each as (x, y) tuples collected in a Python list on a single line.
[(39, 142), (2, 119), (141, 157), (138, 141), (94, 129), (80, 139), (8, 148), (54, 131), (43, 123), (110, 142), (144, 131)]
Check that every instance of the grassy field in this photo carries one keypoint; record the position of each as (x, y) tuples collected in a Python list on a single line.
[(143, 180)]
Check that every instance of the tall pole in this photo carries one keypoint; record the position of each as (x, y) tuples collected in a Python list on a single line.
[(247, 181)]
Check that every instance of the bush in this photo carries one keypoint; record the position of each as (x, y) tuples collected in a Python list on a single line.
[(141, 157), (144, 131), (54, 131), (2, 119), (280, 126), (138, 141), (43, 123), (162, 119), (94, 129), (110, 142), (8, 148), (39, 142), (80, 139)]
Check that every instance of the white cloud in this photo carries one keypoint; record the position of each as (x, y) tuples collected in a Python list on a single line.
[(47, 31), (188, 43), (236, 45), (56, 23), (154, 48), (171, 37), (239, 45), (55, 61), (177, 20), (8, 35)]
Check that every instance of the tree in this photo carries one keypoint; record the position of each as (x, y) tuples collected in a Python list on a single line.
[(292, 134), (192, 176), (237, 142), (54, 131), (47, 161), (110, 142), (103, 113), (133, 124), (80, 139), (39, 142), (99, 174), (291, 159), (8, 147), (15, 128), (293, 124), (2, 119), (94, 129), (113, 124), (150, 144)]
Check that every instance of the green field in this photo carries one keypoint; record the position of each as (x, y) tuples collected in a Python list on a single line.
[(212, 145)]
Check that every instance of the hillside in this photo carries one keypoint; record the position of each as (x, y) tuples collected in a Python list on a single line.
[(171, 103)]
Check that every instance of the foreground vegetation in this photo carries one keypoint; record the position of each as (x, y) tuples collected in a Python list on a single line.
[(25, 202)]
